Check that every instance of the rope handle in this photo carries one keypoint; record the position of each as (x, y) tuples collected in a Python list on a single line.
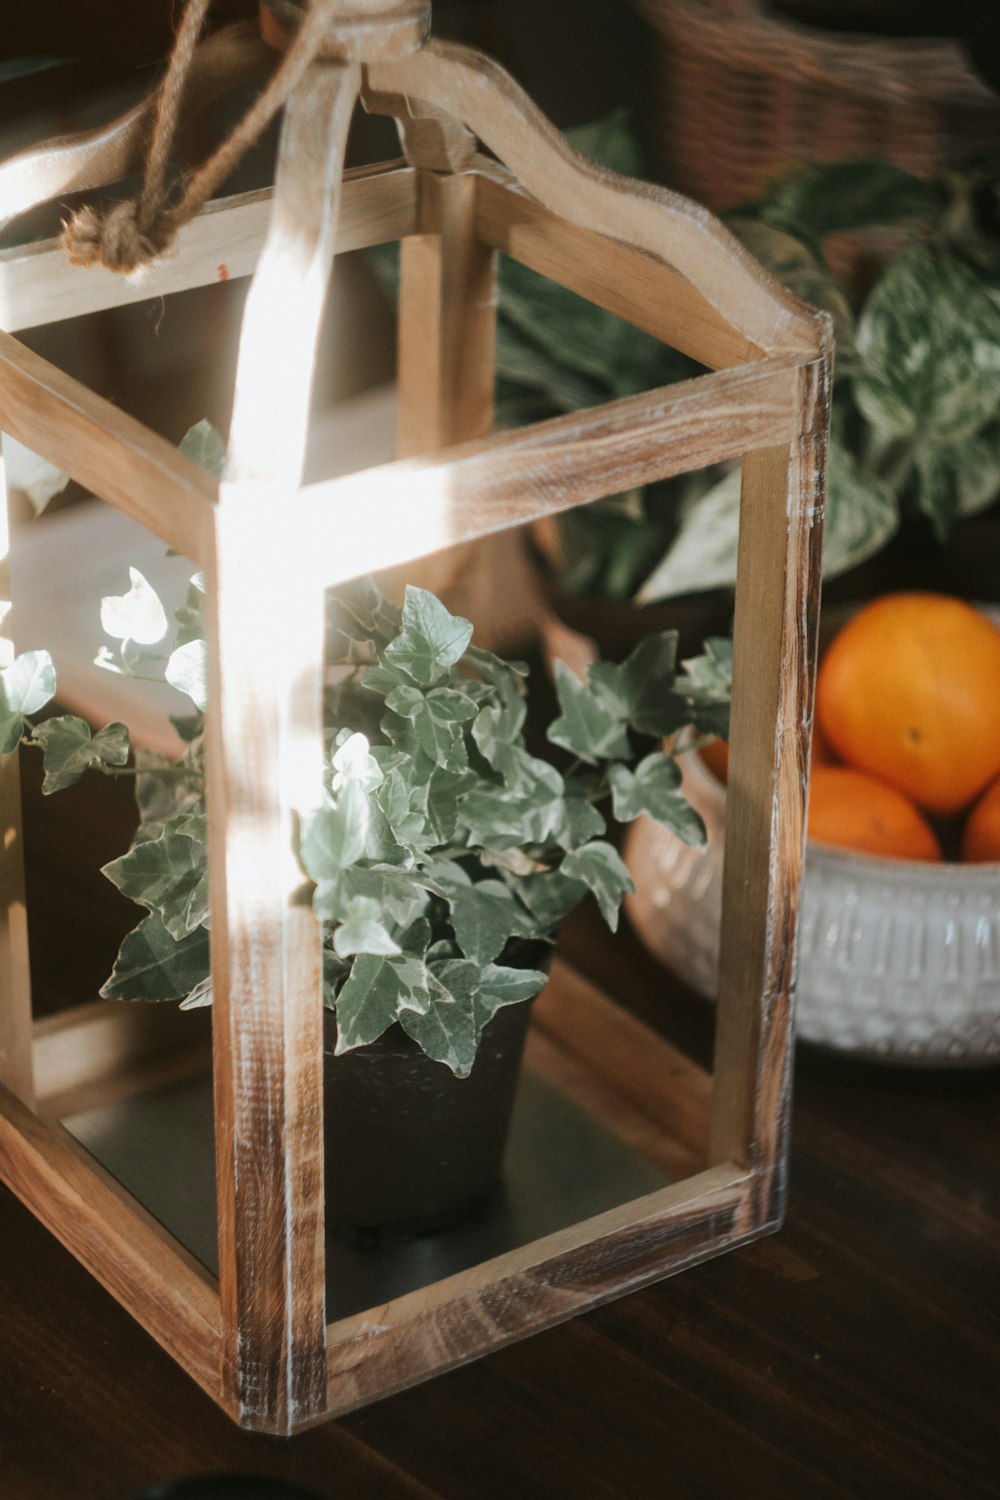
[(130, 234)]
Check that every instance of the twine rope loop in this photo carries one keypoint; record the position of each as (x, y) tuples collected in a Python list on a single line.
[(130, 234)]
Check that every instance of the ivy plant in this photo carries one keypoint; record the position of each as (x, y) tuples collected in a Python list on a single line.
[(442, 841)]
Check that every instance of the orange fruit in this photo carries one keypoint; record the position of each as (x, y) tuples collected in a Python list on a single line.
[(856, 811), (981, 834), (909, 690), (716, 757)]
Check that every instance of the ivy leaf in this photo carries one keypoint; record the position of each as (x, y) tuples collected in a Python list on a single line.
[(587, 726), (484, 915), (353, 761), (136, 616), (152, 965), (69, 748), (206, 446), (200, 996), (404, 808), (431, 640), (497, 731), (705, 686), (380, 989), (436, 717), (363, 930), (445, 793), (499, 817), (334, 837), (579, 821), (929, 341), (549, 898), (640, 687), (447, 1031), (25, 687), (360, 622), (499, 986), (600, 868), (654, 788), (169, 875), (186, 671)]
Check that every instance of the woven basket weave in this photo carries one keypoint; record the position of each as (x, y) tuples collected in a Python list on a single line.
[(741, 96)]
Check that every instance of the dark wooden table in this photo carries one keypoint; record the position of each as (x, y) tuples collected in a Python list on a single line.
[(857, 1353)]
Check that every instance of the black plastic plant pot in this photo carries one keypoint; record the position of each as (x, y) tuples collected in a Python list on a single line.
[(410, 1148)]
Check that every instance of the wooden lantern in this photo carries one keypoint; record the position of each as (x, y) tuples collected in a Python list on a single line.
[(257, 1336)]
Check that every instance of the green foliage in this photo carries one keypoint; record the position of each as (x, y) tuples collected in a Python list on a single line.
[(916, 397), (70, 749), (26, 686), (441, 843)]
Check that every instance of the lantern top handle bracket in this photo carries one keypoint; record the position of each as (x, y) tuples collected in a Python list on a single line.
[(364, 31), (465, 97)]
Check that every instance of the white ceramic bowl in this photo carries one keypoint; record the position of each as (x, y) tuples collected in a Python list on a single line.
[(897, 960)]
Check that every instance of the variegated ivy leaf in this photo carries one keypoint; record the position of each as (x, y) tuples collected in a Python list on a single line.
[(499, 818), (447, 1031), (550, 897), (25, 687), (363, 930), (705, 687), (485, 915), (136, 616), (499, 986), (495, 741), (199, 997), (600, 867), (334, 837), (380, 989), (152, 965), (205, 445), (579, 821), (69, 748), (431, 640), (654, 788), (446, 792), (169, 875), (405, 809), (586, 726), (359, 623), (354, 761), (186, 671), (640, 689), (929, 341), (437, 717), (471, 994)]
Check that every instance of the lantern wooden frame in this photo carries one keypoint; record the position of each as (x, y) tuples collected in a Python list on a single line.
[(258, 1341)]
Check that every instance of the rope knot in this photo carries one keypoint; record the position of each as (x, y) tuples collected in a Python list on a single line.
[(114, 239)]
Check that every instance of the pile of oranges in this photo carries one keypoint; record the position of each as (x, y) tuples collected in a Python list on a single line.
[(906, 753)]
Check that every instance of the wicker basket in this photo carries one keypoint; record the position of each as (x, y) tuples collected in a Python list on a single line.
[(742, 95)]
